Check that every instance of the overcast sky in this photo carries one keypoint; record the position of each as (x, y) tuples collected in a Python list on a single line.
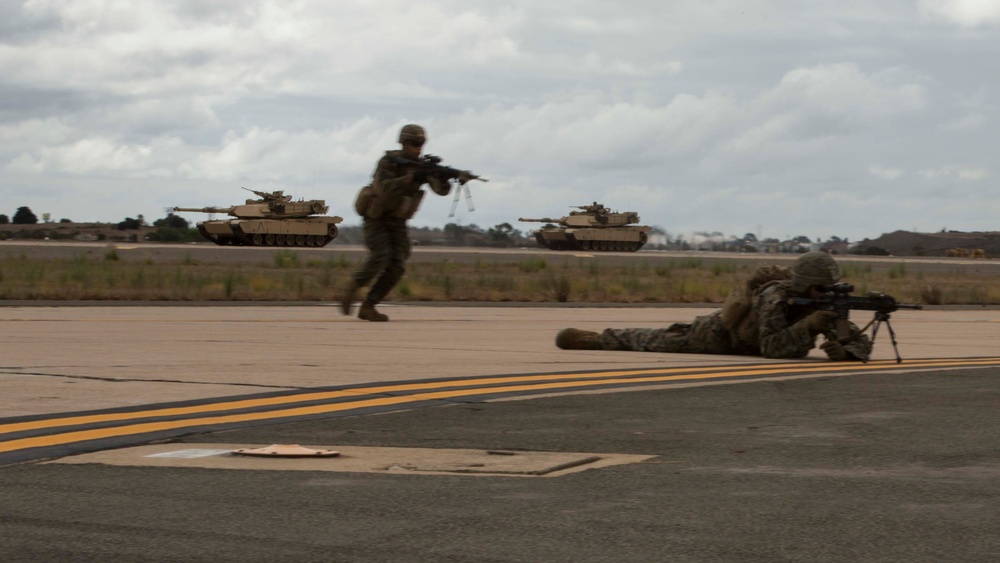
[(781, 118)]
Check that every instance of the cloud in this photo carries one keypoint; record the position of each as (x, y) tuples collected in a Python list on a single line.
[(966, 13), (88, 156), (35, 133), (576, 145), (972, 174), (702, 116), (954, 172), (885, 172), (843, 90), (968, 122), (146, 46), (812, 111)]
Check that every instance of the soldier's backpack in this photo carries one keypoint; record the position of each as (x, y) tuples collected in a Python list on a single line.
[(739, 302), (363, 203)]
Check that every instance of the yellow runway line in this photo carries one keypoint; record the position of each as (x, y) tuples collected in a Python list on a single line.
[(149, 427), (766, 369)]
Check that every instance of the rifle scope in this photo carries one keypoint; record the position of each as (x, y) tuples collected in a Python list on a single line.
[(838, 288)]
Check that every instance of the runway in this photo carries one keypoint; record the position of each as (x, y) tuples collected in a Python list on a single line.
[(42, 437), (859, 461), (81, 379)]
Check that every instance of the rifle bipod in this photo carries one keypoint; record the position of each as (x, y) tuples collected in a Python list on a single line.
[(458, 194), (879, 318)]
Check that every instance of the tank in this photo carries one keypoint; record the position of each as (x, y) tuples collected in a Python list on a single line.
[(593, 227), (272, 220)]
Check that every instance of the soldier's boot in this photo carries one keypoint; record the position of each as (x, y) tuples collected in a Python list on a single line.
[(348, 298), (369, 313), (576, 339)]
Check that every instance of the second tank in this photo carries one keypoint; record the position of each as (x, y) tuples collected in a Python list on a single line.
[(593, 227)]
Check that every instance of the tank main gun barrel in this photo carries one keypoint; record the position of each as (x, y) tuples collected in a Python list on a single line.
[(227, 210), (542, 220)]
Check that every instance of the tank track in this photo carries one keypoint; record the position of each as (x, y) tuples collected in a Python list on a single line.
[(262, 239), (592, 246)]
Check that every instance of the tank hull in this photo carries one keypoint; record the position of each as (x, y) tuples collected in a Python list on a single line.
[(304, 232), (621, 239)]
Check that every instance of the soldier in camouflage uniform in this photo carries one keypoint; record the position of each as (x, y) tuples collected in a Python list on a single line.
[(756, 320), (386, 204)]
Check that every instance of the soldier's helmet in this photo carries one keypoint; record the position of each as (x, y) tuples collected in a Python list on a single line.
[(412, 132), (814, 268)]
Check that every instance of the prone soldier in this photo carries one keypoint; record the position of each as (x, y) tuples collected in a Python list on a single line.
[(758, 319)]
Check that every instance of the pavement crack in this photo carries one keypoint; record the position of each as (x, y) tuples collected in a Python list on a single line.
[(137, 380)]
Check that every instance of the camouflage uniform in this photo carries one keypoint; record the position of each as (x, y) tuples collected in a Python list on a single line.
[(756, 319), (392, 198), (773, 329), (386, 234)]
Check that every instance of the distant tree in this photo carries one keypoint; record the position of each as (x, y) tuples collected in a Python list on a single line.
[(4, 219), (502, 235), (129, 224), (24, 216), (750, 237), (173, 228), (173, 221), (455, 233), (64, 220)]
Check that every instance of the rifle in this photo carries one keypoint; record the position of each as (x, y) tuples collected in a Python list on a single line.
[(838, 299), (431, 165)]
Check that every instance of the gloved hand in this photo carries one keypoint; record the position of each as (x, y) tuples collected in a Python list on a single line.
[(820, 321), (419, 176), (835, 351)]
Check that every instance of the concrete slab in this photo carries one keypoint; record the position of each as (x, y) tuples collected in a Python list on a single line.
[(358, 459), (64, 359)]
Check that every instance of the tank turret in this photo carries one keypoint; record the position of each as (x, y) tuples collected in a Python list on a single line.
[(271, 220), (593, 227)]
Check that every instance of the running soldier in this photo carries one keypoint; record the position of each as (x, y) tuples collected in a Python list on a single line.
[(386, 204)]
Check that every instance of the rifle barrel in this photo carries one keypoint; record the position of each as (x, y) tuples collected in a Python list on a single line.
[(885, 303)]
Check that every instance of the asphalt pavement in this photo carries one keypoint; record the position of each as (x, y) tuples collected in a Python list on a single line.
[(884, 462)]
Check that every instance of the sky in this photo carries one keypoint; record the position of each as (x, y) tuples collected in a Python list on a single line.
[(779, 118)]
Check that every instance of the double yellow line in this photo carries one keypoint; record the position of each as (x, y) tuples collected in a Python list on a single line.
[(213, 414)]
